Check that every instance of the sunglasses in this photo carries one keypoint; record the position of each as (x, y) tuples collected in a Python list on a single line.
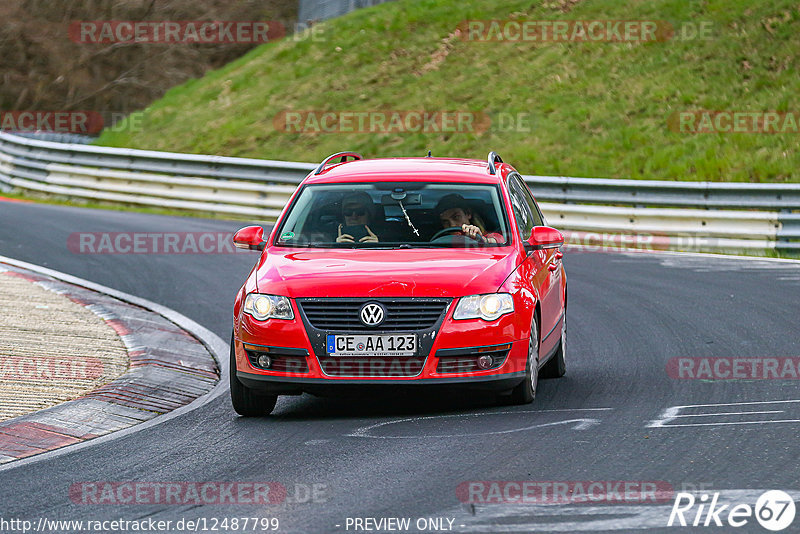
[(354, 212)]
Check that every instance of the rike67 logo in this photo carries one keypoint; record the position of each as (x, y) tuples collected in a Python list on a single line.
[(774, 510)]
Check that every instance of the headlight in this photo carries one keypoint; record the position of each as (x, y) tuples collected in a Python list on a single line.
[(487, 307), (263, 307)]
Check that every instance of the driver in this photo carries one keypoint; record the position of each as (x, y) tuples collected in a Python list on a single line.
[(454, 212)]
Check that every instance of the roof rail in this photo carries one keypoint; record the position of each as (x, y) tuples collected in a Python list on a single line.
[(343, 155), (494, 158)]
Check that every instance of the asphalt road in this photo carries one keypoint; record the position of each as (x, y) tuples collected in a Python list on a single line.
[(628, 315)]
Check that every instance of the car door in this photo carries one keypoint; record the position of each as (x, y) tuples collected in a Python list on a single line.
[(543, 272)]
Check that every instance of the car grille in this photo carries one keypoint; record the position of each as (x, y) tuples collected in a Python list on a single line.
[(371, 366), (402, 315)]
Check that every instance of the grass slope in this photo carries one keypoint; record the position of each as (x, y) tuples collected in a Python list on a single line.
[(595, 109)]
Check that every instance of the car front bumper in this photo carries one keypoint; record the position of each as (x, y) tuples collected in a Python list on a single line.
[(295, 385), (301, 363)]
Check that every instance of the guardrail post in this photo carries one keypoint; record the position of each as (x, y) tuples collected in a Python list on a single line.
[(788, 237)]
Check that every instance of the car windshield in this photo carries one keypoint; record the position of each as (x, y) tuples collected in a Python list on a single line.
[(396, 215)]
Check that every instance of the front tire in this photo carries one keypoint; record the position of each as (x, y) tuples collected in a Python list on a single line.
[(556, 367), (525, 392), (245, 401)]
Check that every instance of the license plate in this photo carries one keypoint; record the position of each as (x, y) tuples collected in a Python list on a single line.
[(383, 345)]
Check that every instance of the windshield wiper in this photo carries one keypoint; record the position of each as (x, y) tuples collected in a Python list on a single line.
[(422, 245)]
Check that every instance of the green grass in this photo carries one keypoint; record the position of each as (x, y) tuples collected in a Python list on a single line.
[(595, 109)]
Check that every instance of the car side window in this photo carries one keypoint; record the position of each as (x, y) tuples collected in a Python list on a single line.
[(538, 218), (526, 219)]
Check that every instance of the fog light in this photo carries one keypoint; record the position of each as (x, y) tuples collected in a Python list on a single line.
[(264, 361), (484, 362)]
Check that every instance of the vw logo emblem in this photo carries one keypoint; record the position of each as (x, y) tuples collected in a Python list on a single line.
[(372, 314)]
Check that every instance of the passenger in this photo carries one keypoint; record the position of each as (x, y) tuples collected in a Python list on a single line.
[(358, 212), (454, 211)]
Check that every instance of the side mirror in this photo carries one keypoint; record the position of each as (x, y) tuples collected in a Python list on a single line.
[(544, 237), (250, 238)]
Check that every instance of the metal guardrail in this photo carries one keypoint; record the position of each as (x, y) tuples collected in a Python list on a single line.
[(235, 186), (707, 195), (315, 10), (678, 215)]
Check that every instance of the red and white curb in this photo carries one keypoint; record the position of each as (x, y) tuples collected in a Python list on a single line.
[(175, 366)]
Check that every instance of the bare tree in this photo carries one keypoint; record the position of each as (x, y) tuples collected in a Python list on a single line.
[(44, 70)]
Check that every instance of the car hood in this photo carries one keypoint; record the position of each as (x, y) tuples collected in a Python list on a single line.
[(384, 273)]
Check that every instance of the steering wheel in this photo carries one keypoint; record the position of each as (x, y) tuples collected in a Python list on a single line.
[(452, 230)]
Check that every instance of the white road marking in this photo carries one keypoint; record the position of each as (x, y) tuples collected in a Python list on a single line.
[(580, 424), (739, 423), (675, 412), (727, 413), (764, 261), (712, 263)]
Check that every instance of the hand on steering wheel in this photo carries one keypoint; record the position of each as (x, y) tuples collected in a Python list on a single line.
[(466, 229), (470, 230)]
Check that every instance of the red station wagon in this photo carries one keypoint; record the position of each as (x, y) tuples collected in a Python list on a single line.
[(401, 272)]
